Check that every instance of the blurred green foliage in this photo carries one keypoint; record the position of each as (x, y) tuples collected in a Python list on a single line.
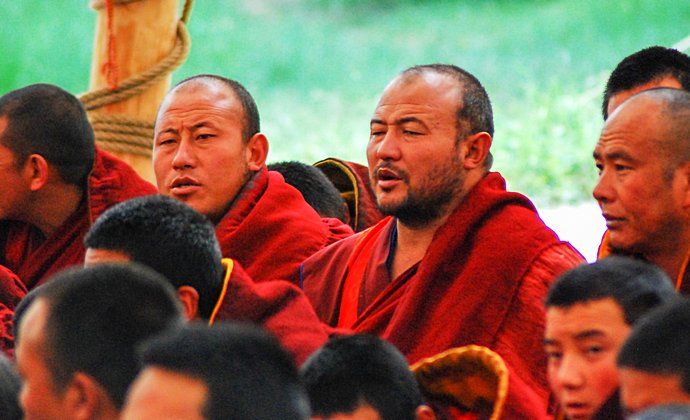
[(316, 67)]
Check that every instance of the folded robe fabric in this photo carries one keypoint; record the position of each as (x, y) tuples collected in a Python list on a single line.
[(463, 291), (277, 306), (12, 290), (271, 230), (25, 250)]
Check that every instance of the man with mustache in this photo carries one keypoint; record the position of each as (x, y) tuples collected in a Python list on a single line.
[(208, 152), (459, 260)]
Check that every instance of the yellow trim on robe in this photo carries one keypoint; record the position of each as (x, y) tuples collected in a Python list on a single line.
[(229, 264)]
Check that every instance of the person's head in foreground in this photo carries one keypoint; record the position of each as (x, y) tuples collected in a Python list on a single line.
[(362, 377), (10, 384), (168, 236), (648, 68), (590, 311), (643, 158), (446, 109), (207, 143), (227, 372), (654, 362), (77, 338)]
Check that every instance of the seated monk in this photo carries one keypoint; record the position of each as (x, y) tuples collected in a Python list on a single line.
[(208, 153), (180, 243), (55, 182), (459, 260)]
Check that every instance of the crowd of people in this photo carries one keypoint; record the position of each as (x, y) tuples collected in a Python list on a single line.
[(413, 287)]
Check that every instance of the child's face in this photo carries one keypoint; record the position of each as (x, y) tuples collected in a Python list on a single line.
[(581, 342)]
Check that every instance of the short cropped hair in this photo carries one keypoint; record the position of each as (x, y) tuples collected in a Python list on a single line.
[(168, 236), (252, 123), (644, 66), (248, 375), (315, 187), (351, 371), (659, 343), (49, 121), (97, 316), (10, 385), (637, 286)]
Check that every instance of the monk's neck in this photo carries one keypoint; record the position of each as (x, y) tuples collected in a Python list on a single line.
[(412, 244), (671, 262), (54, 206)]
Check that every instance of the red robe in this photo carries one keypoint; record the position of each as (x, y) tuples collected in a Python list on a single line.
[(33, 257), (482, 281), (277, 306), (12, 290), (271, 230)]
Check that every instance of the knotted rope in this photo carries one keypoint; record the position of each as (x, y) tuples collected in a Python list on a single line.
[(119, 133)]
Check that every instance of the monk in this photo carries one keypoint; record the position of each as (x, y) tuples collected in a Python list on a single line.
[(55, 181), (459, 260), (178, 242), (209, 153), (649, 68), (644, 181)]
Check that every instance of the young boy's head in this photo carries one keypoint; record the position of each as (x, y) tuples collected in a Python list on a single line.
[(654, 362), (589, 314)]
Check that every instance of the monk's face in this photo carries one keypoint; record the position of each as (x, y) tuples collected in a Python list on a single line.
[(159, 393), (581, 342), (640, 192), (199, 155), (15, 179), (415, 166)]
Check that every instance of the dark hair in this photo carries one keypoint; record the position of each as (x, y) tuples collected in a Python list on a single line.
[(49, 121), (637, 286), (10, 385), (644, 66), (168, 236), (248, 375), (351, 371), (315, 187), (96, 318), (660, 343), (252, 123)]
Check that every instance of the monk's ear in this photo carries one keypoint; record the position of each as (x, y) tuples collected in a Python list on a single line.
[(189, 297), (256, 152), (85, 398), (474, 150), (36, 170), (424, 412)]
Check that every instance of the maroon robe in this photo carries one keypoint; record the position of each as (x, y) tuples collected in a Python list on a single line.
[(270, 229), (33, 257), (277, 306), (482, 281), (12, 290)]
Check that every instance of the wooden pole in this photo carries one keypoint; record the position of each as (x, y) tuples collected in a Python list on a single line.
[(144, 33)]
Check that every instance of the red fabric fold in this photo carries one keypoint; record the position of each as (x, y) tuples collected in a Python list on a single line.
[(277, 306), (34, 258), (461, 292), (271, 230), (12, 290)]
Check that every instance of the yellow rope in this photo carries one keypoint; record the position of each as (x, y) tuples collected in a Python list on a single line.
[(116, 132)]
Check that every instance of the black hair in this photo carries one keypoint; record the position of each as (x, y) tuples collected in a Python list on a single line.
[(168, 236), (315, 187), (247, 373), (348, 372), (252, 123), (10, 385), (96, 318), (47, 120), (660, 343), (637, 286), (644, 66)]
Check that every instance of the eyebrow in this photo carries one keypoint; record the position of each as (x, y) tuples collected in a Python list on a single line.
[(403, 120), (616, 155), (589, 334)]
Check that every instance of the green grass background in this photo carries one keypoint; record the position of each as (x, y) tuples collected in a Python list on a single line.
[(317, 67)]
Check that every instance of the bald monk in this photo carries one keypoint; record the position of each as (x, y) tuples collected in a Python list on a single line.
[(55, 182), (459, 260), (209, 153), (180, 243)]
